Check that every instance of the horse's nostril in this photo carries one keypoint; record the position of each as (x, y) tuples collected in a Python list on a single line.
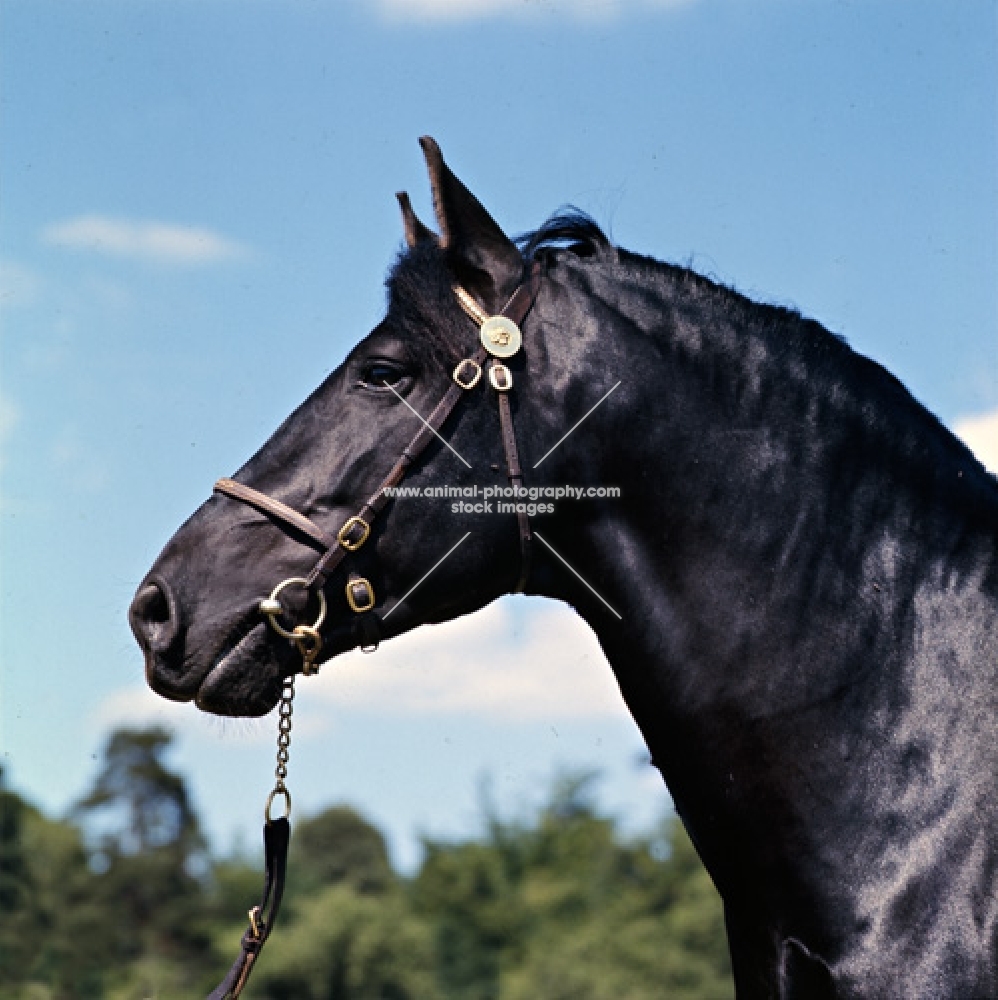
[(152, 617), (154, 606)]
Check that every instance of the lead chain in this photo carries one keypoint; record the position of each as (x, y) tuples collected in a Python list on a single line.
[(283, 748), (284, 732)]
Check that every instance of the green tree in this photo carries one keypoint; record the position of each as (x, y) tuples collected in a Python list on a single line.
[(148, 804), (20, 920), (556, 905), (53, 940), (562, 907), (478, 917), (149, 853), (341, 944), (347, 932), (645, 929), (339, 846)]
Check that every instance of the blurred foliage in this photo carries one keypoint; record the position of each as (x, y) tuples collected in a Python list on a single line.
[(122, 901), (338, 846)]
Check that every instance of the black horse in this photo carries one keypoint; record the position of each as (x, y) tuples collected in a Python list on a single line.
[(797, 588)]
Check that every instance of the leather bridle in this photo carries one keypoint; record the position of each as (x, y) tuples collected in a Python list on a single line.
[(499, 338)]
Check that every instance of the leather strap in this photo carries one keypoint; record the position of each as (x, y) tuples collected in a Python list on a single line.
[(516, 309), (515, 475), (276, 834), (276, 509), (522, 299), (367, 629)]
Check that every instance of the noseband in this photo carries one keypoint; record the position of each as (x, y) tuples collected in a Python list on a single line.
[(499, 338)]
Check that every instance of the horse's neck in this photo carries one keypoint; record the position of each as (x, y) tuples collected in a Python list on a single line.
[(768, 471), (758, 558), (804, 566), (725, 491)]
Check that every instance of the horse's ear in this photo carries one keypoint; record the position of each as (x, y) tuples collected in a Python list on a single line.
[(415, 231), (485, 260)]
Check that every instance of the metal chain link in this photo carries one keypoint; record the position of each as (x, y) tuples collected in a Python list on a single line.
[(285, 708), (284, 731), (308, 641)]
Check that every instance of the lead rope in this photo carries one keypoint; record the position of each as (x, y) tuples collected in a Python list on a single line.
[(276, 832)]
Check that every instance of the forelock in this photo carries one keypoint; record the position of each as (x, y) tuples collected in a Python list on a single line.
[(422, 305)]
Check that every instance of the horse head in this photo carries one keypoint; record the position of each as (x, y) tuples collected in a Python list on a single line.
[(197, 615)]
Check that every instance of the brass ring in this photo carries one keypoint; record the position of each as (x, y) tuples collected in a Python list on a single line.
[(500, 377), (272, 607), (270, 801), (472, 381)]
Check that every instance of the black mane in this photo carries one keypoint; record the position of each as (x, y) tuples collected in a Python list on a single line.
[(577, 232), (568, 229)]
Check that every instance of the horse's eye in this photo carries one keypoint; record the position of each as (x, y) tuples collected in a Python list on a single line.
[(379, 373)]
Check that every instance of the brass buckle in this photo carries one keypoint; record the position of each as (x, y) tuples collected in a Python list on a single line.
[(366, 595), (256, 924), (309, 644), (500, 377), (473, 381), (348, 525)]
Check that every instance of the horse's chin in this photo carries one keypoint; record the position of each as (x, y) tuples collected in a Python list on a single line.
[(247, 680)]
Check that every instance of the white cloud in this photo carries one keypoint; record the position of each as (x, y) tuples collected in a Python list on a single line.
[(467, 10), (478, 665), (980, 434), (156, 242), (139, 706)]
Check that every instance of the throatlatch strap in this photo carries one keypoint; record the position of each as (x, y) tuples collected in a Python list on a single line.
[(276, 834), (516, 309), (515, 475)]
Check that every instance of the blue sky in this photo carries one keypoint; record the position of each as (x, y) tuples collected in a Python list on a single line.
[(196, 215)]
